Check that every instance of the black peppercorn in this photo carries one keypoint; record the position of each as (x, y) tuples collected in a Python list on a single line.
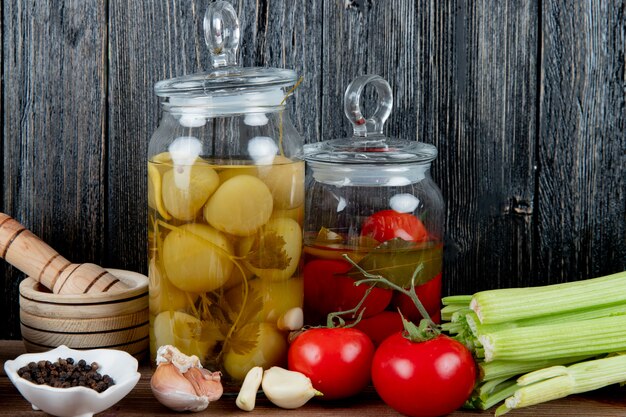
[(64, 374)]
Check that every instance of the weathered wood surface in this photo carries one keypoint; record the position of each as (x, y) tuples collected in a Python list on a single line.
[(54, 134), (525, 101), (581, 210)]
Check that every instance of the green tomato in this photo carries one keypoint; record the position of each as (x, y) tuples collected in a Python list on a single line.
[(277, 297), (270, 350), (186, 189), (196, 258), (290, 232), (240, 206), (189, 334), (163, 295)]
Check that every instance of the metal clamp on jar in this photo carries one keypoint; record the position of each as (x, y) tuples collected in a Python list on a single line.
[(226, 202), (371, 197)]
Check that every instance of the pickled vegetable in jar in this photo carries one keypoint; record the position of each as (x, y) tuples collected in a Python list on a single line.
[(226, 206), (371, 198)]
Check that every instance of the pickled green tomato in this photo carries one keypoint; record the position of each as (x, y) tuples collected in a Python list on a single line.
[(285, 179), (234, 170), (277, 297), (270, 350), (296, 214), (156, 167), (289, 230), (189, 334), (196, 258), (186, 188), (238, 274), (240, 206), (163, 295)]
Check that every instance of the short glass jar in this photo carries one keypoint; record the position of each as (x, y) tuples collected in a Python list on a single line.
[(226, 204), (371, 198)]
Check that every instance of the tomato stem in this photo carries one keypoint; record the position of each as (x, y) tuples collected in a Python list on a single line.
[(427, 322), (330, 319)]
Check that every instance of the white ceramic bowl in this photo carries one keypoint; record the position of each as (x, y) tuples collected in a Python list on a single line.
[(76, 401)]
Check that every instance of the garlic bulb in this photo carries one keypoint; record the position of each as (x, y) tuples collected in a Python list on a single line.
[(287, 389), (246, 399), (181, 384)]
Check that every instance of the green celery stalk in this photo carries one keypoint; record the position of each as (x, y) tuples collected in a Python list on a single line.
[(511, 304), (448, 311), (479, 328), (559, 381), (498, 369), (501, 393), (487, 387), (552, 341), (452, 328), (461, 300), (460, 330)]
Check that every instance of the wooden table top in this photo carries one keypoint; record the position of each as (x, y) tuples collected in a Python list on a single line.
[(610, 402)]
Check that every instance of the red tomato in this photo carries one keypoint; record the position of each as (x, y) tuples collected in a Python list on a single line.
[(381, 326), (338, 361), (327, 289), (389, 224), (428, 293), (423, 379)]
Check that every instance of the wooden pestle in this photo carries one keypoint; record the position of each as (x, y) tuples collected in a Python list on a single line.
[(25, 251)]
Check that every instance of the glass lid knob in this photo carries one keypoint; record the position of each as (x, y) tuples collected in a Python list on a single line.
[(221, 34), (374, 125)]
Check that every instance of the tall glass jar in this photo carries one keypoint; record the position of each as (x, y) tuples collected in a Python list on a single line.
[(371, 198), (226, 204)]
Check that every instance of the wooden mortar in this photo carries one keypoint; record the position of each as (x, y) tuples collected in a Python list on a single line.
[(28, 253), (86, 321)]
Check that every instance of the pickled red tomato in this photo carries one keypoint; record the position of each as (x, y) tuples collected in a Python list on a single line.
[(270, 350), (267, 265), (428, 293), (328, 289), (196, 258), (380, 326), (240, 206), (187, 188), (385, 225), (285, 179), (277, 297)]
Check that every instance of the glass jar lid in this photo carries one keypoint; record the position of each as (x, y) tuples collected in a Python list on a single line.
[(226, 83), (369, 145)]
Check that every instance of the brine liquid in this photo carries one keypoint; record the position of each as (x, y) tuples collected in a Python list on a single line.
[(328, 263), (225, 243)]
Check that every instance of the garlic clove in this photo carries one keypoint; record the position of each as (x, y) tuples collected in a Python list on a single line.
[(181, 384), (246, 399), (287, 389), (181, 401), (293, 319), (174, 391), (206, 383)]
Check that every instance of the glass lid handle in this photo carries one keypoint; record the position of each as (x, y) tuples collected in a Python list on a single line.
[(374, 125), (221, 33)]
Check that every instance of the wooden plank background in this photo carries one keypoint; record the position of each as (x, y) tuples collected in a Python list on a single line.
[(525, 100)]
